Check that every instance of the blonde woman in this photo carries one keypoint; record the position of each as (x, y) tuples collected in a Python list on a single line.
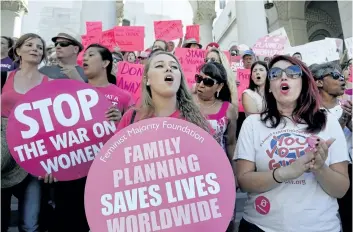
[(164, 93)]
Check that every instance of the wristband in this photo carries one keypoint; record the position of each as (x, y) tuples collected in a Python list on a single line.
[(273, 175)]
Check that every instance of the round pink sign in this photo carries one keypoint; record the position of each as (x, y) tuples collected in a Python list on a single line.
[(59, 127), (160, 174)]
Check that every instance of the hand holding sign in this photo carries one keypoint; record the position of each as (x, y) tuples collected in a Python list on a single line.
[(160, 174), (60, 127)]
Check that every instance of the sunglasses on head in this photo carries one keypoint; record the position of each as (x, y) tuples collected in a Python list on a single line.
[(293, 72), (209, 82), (334, 75), (210, 60), (63, 43)]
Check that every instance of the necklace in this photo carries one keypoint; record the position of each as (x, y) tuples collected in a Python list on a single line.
[(206, 107)]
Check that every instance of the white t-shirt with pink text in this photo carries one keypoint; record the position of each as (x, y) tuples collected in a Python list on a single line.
[(296, 205)]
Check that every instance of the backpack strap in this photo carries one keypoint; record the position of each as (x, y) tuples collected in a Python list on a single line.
[(133, 117)]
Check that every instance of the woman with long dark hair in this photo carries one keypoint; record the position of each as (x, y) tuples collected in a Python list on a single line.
[(253, 97), (292, 159), (6, 62), (214, 99)]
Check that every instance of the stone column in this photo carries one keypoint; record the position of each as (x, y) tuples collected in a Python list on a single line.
[(204, 14), (119, 12), (251, 21), (104, 11), (345, 9), (11, 17)]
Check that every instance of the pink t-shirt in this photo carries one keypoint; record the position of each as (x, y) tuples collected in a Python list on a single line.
[(119, 97)]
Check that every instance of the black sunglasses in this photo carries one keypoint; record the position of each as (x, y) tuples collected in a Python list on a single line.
[(209, 82), (63, 44), (293, 72), (334, 75)]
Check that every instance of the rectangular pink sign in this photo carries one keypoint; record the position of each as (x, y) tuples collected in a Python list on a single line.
[(130, 38), (168, 30), (108, 39), (193, 32), (243, 76), (129, 78), (94, 28), (269, 46)]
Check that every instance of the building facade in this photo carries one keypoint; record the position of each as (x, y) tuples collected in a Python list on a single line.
[(304, 21)]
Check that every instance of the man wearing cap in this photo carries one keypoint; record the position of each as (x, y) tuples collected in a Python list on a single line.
[(248, 59), (67, 49), (192, 43)]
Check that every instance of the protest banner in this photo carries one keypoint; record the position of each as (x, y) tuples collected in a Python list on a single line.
[(130, 38), (94, 28), (168, 30), (236, 62), (108, 39), (58, 128), (160, 174), (129, 78), (269, 46), (193, 32), (243, 76), (313, 52), (281, 32)]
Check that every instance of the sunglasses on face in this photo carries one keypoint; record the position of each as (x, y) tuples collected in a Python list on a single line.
[(63, 44), (208, 82), (334, 75), (116, 60), (293, 72), (210, 60)]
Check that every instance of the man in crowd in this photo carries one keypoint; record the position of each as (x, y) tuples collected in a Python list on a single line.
[(298, 56), (67, 49), (248, 59), (331, 84)]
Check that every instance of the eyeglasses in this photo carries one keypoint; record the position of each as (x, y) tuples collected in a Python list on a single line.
[(293, 72), (211, 60), (116, 60), (209, 82), (334, 75), (63, 44)]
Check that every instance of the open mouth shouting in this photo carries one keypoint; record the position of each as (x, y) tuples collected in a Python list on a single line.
[(169, 79), (284, 88)]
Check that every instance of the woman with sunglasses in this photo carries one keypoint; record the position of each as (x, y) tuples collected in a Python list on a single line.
[(29, 51), (292, 159), (164, 93), (117, 57), (214, 99), (331, 84), (253, 97)]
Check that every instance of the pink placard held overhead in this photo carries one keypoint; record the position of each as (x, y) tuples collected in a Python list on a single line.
[(59, 127), (193, 32), (130, 38), (129, 78), (236, 62), (94, 28), (160, 174), (168, 30), (268, 46), (243, 76), (108, 39)]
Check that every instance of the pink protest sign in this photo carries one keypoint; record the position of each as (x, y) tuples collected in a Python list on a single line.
[(227, 53), (108, 39), (193, 32), (236, 62), (168, 30), (130, 38), (269, 46), (160, 174), (190, 59), (243, 76), (59, 127), (129, 77), (94, 28)]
